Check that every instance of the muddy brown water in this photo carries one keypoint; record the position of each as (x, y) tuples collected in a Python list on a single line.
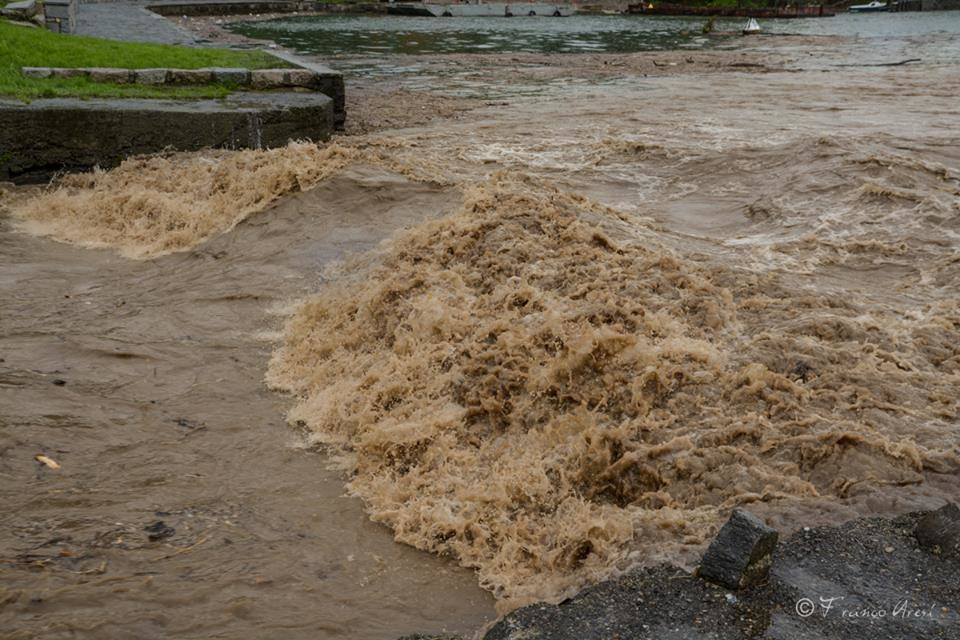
[(162, 415), (144, 379)]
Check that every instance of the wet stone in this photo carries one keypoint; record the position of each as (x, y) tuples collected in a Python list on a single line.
[(159, 530), (69, 73), (939, 531), (190, 76), (115, 76), (268, 78), (38, 73), (301, 78), (151, 76), (742, 552), (22, 10), (227, 75)]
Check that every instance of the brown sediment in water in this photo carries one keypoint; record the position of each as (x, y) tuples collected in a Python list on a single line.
[(154, 205), (549, 396), (545, 388)]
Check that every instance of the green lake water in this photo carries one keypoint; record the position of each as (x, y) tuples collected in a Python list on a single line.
[(379, 35)]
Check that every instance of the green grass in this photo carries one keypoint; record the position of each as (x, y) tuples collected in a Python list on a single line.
[(26, 47)]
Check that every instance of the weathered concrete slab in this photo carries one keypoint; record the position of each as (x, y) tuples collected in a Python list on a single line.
[(261, 79), (308, 75), (37, 73), (61, 15), (225, 75), (151, 76), (41, 138), (66, 72), (225, 7), (115, 76), (22, 10), (189, 76), (130, 22), (325, 80), (238, 7)]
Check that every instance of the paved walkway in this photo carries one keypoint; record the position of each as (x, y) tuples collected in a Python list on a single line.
[(128, 21)]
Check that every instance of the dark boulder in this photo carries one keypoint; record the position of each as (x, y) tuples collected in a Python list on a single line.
[(742, 552), (939, 531)]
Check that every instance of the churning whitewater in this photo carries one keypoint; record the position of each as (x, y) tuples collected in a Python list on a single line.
[(630, 323)]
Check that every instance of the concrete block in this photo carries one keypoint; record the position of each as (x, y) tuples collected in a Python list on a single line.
[(227, 75), (58, 72), (742, 552), (23, 10), (262, 79), (113, 76), (189, 76), (57, 13), (46, 136), (301, 78), (37, 73), (151, 76)]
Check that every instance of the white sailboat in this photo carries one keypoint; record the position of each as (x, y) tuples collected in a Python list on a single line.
[(870, 7), (751, 27)]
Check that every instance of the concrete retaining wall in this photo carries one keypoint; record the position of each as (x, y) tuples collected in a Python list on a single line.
[(308, 76), (45, 137), (246, 7), (60, 15)]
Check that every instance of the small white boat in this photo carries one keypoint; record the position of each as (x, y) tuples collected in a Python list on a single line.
[(751, 27), (876, 5)]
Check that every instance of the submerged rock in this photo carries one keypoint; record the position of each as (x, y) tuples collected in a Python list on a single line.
[(742, 552), (939, 531), (159, 530)]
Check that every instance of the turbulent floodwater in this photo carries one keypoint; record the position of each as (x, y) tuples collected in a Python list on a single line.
[(603, 318)]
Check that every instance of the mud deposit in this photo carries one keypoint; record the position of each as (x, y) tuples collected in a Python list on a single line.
[(605, 315)]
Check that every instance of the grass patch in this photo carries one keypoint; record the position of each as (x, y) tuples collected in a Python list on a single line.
[(26, 47)]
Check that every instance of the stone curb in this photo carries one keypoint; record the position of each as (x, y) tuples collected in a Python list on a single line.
[(260, 79)]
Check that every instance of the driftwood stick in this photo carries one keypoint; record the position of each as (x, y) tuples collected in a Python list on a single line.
[(881, 64)]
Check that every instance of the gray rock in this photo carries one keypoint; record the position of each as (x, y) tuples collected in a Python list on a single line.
[(58, 72), (190, 76), (262, 79), (151, 76), (23, 10), (742, 552), (38, 73), (115, 76), (227, 75), (939, 531), (325, 81), (301, 78)]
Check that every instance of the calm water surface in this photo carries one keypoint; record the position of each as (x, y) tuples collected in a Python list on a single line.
[(352, 35)]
